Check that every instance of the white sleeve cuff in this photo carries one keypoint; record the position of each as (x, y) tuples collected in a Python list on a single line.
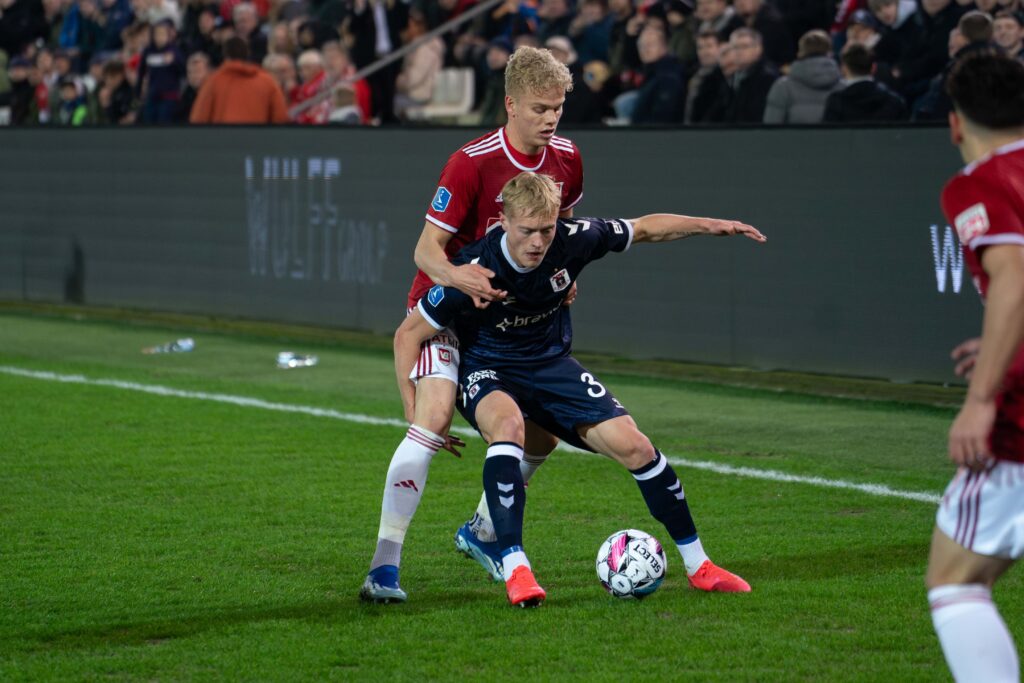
[(441, 224), (426, 316), (629, 228), (1003, 238)]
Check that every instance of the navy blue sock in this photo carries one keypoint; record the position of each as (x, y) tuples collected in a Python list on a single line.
[(505, 492), (664, 496)]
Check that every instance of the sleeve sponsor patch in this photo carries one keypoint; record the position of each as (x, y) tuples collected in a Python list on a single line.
[(435, 295), (972, 222), (441, 200)]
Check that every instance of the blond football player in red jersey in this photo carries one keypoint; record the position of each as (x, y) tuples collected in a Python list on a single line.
[(465, 206), (979, 530)]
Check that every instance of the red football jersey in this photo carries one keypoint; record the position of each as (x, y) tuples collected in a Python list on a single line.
[(468, 196), (985, 202)]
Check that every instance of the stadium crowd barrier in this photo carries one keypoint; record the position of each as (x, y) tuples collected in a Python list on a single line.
[(860, 276)]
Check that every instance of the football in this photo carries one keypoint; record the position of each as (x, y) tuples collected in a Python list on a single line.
[(631, 564)]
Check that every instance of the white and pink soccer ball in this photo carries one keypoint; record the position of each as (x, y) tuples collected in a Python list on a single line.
[(631, 564)]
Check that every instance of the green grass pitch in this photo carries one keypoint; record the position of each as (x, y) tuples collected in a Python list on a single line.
[(149, 537)]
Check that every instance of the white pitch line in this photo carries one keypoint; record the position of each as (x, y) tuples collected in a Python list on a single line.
[(247, 402)]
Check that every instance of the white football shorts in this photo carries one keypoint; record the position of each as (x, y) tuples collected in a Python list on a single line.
[(439, 357), (984, 511)]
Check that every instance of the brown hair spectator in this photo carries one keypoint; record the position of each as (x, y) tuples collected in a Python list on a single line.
[(976, 27), (815, 43), (858, 60)]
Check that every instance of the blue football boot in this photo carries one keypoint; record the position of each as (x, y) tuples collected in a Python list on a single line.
[(484, 552), (381, 586)]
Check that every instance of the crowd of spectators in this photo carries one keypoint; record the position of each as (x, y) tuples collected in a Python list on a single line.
[(122, 62)]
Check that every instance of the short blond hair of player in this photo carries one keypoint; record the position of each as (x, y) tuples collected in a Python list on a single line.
[(529, 195), (531, 70)]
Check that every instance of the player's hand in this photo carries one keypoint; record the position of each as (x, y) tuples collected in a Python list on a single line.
[(570, 296), (722, 228), (452, 444), (968, 437), (475, 281), (966, 355)]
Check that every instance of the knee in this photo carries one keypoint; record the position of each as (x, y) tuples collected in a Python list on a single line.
[(434, 415), (508, 428), (636, 451)]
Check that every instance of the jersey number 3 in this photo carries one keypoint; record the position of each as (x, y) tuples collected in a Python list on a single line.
[(596, 389)]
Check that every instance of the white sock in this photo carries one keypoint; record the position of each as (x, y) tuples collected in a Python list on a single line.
[(403, 488), (974, 638), (513, 560), (481, 524), (693, 555)]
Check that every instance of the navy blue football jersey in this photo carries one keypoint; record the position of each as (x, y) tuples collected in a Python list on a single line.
[(531, 324)]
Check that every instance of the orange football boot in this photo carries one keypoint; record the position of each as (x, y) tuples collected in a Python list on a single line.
[(523, 590), (711, 577)]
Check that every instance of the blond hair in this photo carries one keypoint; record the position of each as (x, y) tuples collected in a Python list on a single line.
[(531, 70), (529, 195)]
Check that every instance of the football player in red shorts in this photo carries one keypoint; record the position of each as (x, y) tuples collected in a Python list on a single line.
[(979, 529), (466, 205)]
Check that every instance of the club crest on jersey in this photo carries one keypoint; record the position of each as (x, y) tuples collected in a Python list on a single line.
[(560, 280), (972, 222), (444, 356), (435, 295), (441, 199), (474, 390)]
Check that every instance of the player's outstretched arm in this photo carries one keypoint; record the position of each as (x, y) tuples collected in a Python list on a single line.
[(413, 331), (665, 227), (470, 278), (1002, 334)]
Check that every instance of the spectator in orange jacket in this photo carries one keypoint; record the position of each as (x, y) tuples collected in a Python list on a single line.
[(239, 92)]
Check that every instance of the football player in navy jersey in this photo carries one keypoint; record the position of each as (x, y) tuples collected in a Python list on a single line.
[(466, 204), (516, 359)]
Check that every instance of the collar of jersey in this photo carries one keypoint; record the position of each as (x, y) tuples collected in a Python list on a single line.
[(511, 154), (508, 257), (1004, 149)]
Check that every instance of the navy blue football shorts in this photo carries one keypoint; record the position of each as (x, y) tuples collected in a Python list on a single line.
[(558, 395)]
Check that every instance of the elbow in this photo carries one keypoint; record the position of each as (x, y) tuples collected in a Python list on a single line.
[(418, 257), (401, 338)]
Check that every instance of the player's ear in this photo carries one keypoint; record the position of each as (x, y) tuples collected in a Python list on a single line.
[(504, 221), (956, 132), (510, 106)]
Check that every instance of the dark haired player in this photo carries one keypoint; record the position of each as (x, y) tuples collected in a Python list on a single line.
[(979, 528), (515, 360)]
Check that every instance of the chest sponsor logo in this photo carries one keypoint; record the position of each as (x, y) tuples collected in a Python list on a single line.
[(560, 280), (441, 199), (972, 222), (524, 320), (435, 295)]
